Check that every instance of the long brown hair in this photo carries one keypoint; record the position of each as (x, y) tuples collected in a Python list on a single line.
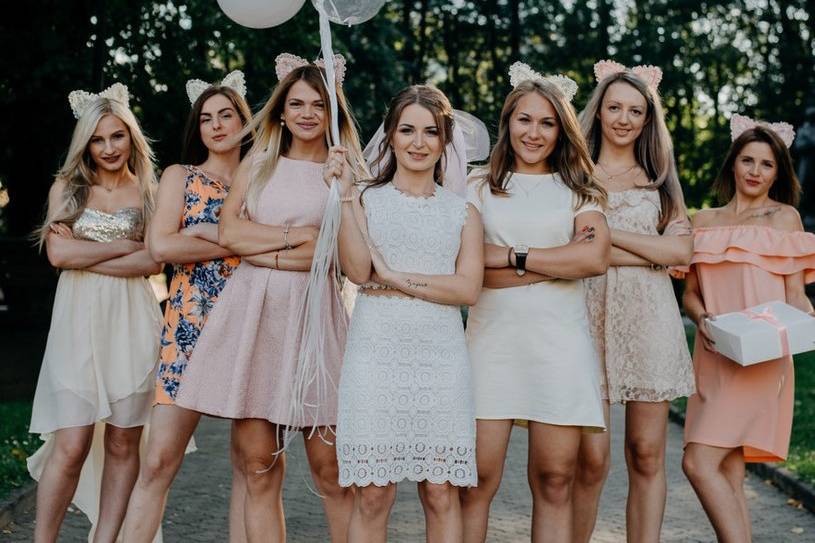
[(653, 149), (273, 140), (194, 151), (786, 188), (570, 158), (433, 100)]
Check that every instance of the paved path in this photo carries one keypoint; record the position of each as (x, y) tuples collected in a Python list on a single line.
[(198, 501)]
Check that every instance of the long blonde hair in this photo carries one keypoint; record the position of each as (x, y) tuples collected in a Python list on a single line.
[(570, 157), (653, 149), (273, 140), (79, 170)]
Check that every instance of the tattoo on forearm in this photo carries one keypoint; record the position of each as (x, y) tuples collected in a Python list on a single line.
[(415, 284)]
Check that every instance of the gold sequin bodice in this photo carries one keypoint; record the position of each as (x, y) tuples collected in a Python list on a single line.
[(96, 225)]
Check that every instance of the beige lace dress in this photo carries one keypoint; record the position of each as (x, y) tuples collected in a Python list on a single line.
[(634, 316)]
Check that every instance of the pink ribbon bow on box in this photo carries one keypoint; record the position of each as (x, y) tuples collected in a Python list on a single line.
[(768, 317)]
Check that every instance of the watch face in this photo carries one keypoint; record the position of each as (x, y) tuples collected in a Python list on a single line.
[(521, 249)]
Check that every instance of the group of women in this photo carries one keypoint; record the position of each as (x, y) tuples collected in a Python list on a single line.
[(562, 245)]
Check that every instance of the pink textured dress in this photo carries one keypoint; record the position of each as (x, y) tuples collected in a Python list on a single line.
[(749, 407), (244, 363)]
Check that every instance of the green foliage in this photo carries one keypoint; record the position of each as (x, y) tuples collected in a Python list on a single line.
[(718, 58), (16, 444)]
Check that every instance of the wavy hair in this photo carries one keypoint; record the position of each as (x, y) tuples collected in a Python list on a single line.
[(653, 149), (79, 169), (786, 188), (570, 158), (433, 100), (273, 140)]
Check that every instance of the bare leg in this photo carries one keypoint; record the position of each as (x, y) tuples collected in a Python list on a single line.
[(733, 468), (118, 477), (171, 427), (237, 497), (58, 481), (337, 501), (551, 470), (442, 512), (593, 463), (646, 426), (702, 465), (492, 440), (369, 518), (264, 472)]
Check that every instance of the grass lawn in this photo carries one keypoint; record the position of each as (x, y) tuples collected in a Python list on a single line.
[(801, 458), (15, 445)]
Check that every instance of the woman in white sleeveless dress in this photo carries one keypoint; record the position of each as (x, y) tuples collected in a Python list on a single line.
[(96, 382), (405, 398), (528, 336)]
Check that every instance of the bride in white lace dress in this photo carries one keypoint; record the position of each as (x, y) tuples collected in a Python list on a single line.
[(405, 395)]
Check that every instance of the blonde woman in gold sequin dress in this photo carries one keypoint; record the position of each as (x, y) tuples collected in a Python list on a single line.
[(96, 384)]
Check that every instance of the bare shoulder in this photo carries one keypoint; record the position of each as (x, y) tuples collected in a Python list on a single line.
[(173, 174), (787, 218), (706, 217)]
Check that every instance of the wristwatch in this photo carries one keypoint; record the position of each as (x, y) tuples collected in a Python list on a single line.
[(520, 258)]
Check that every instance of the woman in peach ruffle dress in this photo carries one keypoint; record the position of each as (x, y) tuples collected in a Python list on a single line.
[(749, 251)]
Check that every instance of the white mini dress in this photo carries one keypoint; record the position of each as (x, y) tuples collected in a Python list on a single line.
[(531, 351)]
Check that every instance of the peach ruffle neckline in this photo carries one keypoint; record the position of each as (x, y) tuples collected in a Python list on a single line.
[(777, 251)]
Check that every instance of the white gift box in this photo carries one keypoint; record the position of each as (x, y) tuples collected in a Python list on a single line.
[(757, 333)]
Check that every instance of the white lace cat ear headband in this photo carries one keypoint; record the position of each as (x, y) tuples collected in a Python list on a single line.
[(520, 72), (739, 124), (80, 100), (651, 75), (286, 63), (234, 80)]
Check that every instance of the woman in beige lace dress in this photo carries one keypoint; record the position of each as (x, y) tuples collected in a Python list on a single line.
[(632, 309)]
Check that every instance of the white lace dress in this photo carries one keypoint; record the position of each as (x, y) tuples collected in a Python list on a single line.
[(405, 394)]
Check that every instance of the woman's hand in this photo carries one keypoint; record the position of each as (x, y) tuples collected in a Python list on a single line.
[(701, 327), (586, 234), (62, 230), (337, 167)]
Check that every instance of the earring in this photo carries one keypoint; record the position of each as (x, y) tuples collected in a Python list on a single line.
[(282, 121)]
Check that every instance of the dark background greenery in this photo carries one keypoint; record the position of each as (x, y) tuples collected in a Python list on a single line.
[(718, 57)]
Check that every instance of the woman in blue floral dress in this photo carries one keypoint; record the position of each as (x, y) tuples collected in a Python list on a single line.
[(185, 233)]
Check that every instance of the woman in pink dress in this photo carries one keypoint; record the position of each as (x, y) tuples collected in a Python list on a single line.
[(243, 366), (749, 251), (633, 313)]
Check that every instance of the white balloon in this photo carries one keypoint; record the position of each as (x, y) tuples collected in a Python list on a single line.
[(349, 12), (260, 13)]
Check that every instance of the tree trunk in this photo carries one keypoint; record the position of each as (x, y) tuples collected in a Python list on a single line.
[(418, 66), (515, 30), (99, 46)]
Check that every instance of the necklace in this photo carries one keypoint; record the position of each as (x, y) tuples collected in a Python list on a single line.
[(611, 177), (412, 195), (527, 190)]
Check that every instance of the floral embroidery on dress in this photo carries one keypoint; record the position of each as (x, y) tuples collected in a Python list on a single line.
[(634, 315), (194, 288)]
